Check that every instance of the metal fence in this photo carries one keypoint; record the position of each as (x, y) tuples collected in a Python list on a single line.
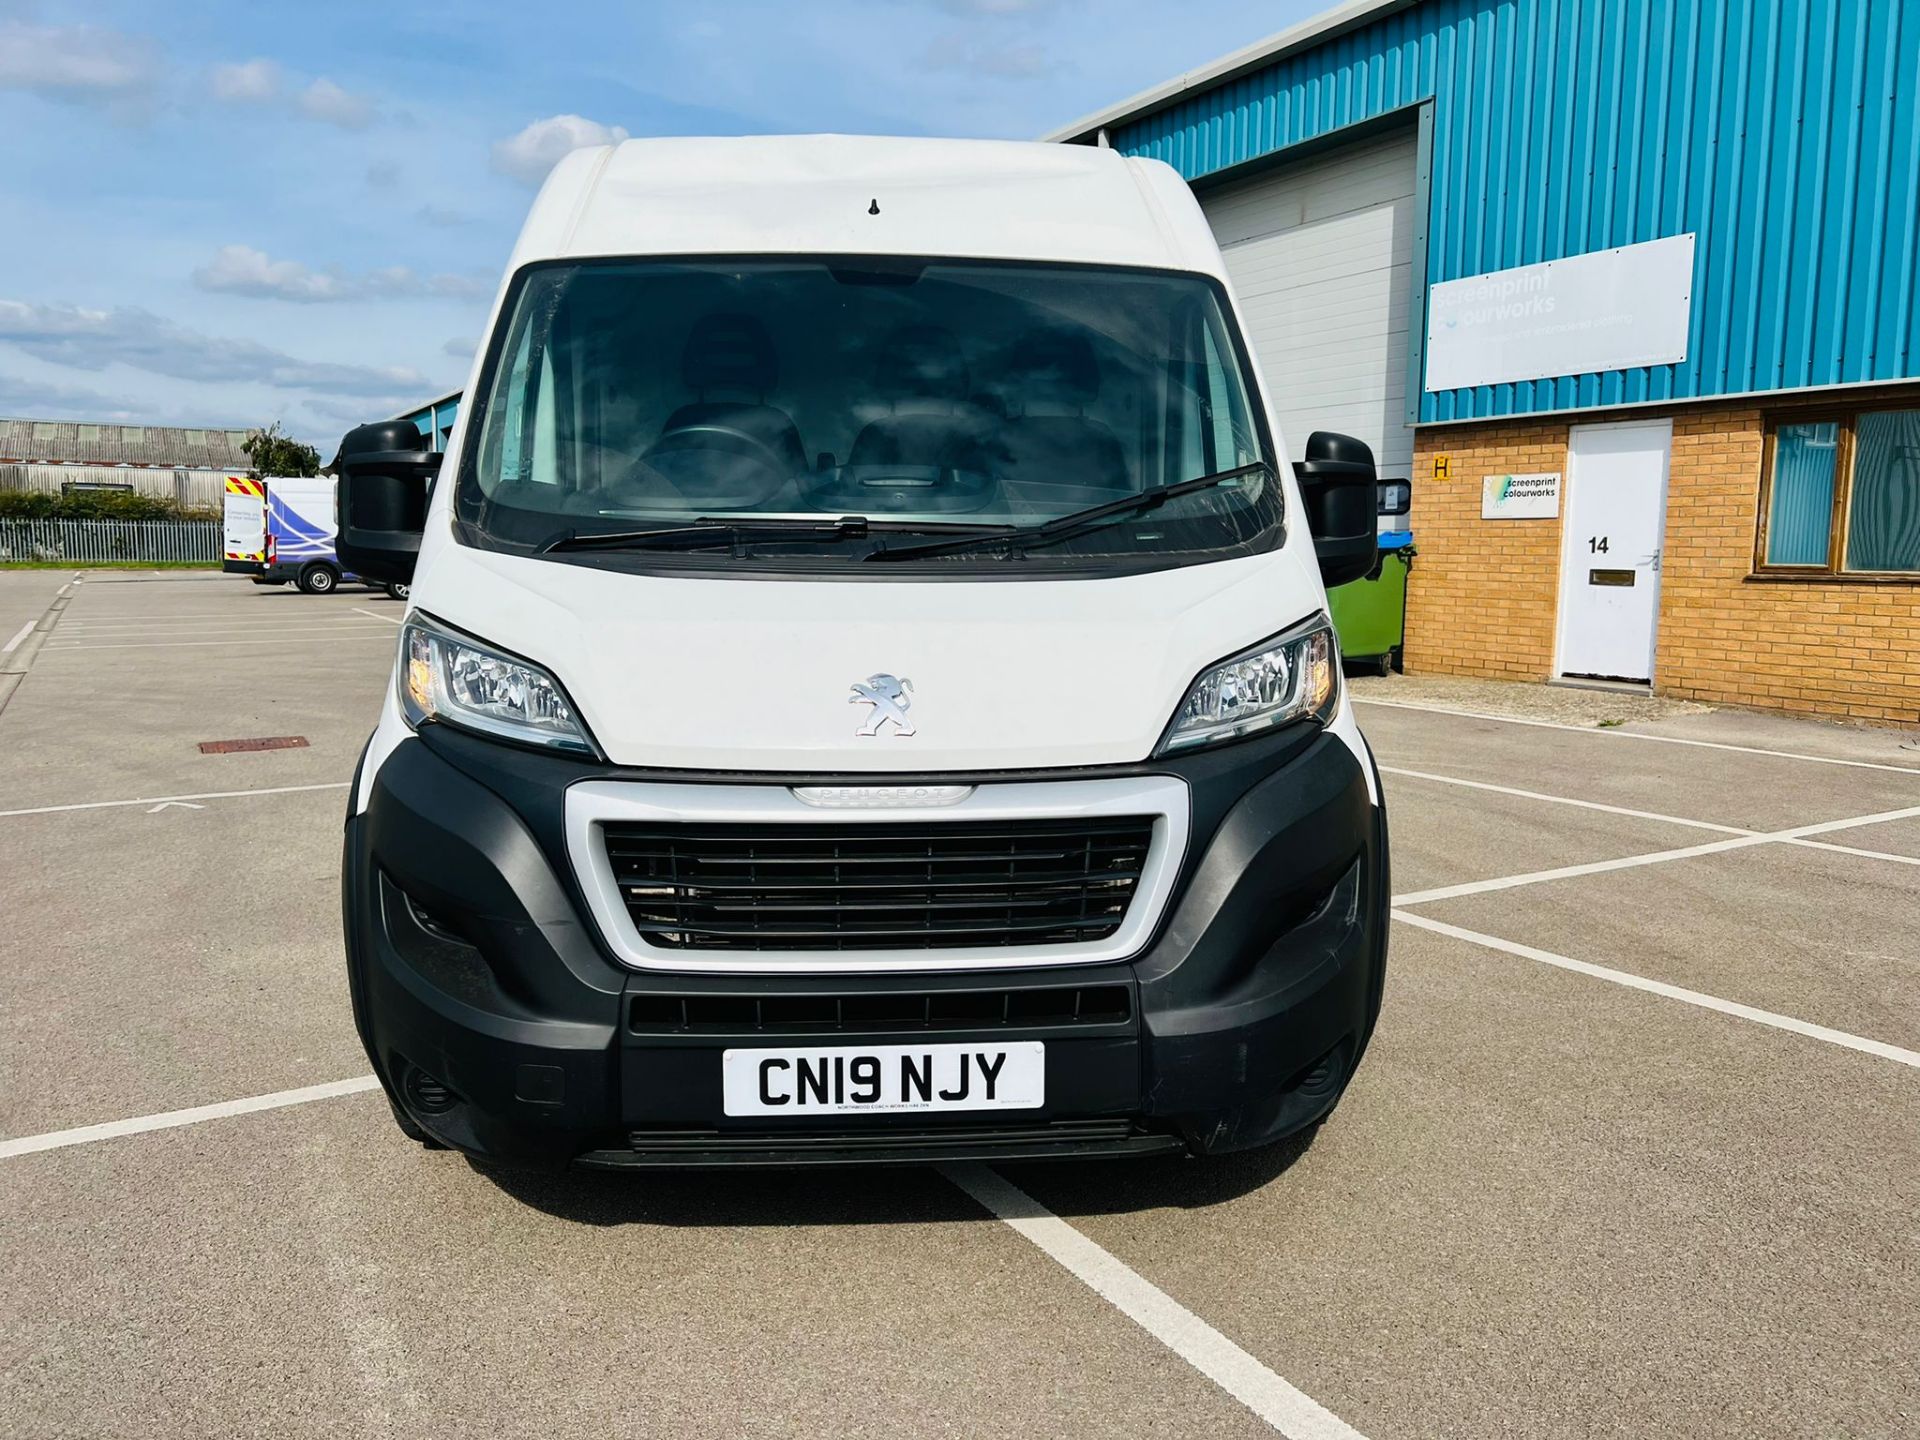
[(85, 542)]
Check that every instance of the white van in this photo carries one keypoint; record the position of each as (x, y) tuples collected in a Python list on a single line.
[(867, 692), (279, 530)]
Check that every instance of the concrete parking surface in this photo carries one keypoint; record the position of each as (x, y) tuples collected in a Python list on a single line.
[(1636, 1150)]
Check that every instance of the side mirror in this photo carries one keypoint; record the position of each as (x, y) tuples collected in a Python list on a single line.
[(1341, 490), (385, 472)]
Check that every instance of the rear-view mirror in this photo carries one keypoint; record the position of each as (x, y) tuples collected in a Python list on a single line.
[(385, 473), (1341, 490)]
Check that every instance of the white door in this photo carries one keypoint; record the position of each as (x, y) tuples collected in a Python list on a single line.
[(1613, 526), (1321, 257)]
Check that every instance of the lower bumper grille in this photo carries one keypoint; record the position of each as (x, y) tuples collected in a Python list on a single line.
[(1062, 1140), (874, 886)]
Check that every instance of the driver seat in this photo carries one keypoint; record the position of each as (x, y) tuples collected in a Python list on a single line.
[(729, 362)]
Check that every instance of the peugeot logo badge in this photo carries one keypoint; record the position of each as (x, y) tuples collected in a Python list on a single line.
[(888, 697)]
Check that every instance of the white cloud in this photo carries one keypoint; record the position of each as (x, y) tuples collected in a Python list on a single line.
[(248, 81), (459, 287), (460, 348), (528, 156), (261, 81), (998, 62), (22, 398), (442, 217), (75, 61), (327, 102), (243, 270), (88, 339)]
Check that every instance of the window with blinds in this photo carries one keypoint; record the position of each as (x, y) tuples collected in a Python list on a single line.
[(1840, 495)]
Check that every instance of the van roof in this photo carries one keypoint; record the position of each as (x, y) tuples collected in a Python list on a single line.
[(818, 194)]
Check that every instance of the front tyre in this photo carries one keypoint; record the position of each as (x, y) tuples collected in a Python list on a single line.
[(319, 579)]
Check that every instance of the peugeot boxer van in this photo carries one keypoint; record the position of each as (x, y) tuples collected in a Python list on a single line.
[(867, 692)]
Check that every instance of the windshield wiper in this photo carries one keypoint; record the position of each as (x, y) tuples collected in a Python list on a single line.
[(1021, 538), (709, 531)]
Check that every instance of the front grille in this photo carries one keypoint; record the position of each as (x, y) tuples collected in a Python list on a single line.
[(833, 886), (1047, 1006), (867, 1144)]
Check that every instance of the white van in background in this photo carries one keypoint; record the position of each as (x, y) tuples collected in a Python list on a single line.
[(868, 692), (280, 529)]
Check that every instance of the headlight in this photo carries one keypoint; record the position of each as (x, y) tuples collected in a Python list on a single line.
[(447, 676), (1294, 677)]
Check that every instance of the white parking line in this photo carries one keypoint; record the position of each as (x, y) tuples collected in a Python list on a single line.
[(178, 799), (1658, 857), (375, 615), (168, 1120), (163, 618), (301, 637), (220, 635), (1286, 1409), (1788, 1023), (14, 644), (1617, 734), (1648, 815), (1574, 872), (1564, 800), (230, 625), (1855, 850)]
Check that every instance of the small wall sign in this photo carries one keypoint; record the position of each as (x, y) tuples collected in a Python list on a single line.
[(1443, 467), (1520, 497)]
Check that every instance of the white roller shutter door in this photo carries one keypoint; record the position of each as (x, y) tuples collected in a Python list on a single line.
[(1321, 256)]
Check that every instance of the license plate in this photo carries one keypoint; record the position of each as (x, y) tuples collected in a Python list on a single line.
[(864, 1079)]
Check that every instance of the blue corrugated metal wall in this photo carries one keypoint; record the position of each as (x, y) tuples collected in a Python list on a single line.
[(1785, 133), (435, 420)]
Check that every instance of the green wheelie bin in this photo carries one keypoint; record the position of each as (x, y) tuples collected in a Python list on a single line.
[(1370, 614)]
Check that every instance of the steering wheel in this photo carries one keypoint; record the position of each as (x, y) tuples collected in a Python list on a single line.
[(712, 435)]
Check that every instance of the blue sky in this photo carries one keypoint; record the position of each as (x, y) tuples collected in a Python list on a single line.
[(228, 213)]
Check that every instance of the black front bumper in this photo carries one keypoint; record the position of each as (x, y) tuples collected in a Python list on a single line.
[(497, 1020)]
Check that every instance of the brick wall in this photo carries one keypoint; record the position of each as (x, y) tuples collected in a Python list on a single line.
[(1484, 593)]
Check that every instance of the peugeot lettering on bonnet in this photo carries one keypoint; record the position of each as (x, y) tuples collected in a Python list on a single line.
[(867, 692)]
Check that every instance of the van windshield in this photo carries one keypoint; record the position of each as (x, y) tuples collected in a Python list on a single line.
[(813, 413)]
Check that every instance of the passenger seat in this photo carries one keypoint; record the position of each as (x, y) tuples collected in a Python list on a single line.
[(933, 422), (1052, 379)]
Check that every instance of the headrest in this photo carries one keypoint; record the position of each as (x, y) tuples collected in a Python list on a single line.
[(1054, 366), (729, 352), (923, 362)]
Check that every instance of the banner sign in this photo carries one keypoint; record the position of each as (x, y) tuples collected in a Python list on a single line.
[(1606, 310)]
